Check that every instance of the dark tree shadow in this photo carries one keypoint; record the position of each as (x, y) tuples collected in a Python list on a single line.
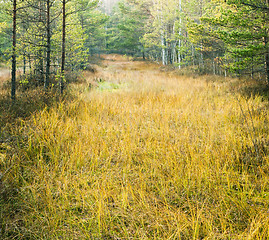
[(25, 105), (255, 88), (247, 87)]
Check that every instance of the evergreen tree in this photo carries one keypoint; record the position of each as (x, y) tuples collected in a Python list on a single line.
[(243, 27), (126, 27)]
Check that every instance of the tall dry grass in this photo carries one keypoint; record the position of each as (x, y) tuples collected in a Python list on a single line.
[(162, 157)]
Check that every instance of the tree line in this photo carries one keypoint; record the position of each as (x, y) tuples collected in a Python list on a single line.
[(209, 36), (48, 37), (51, 37)]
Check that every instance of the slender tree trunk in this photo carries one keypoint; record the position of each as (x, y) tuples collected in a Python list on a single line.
[(201, 57), (46, 84), (163, 51), (180, 33), (13, 72), (42, 51), (40, 66), (193, 55), (267, 61), (29, 62), (213, 66), (179, 54), (266, 39), (24, 63), (201, 47), (225, 68), (252, 68), (252, 65), (169, 44), (63, 48)]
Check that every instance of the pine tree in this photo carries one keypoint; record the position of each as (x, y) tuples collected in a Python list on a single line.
[(243, 27)]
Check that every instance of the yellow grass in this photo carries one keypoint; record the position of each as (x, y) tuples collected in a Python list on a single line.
[(162, 157)]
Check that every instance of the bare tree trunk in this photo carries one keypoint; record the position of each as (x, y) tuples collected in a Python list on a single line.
[(225, 69), (63, 48), (213, 66), (24, 63), (266, 46), (46, 84), (29, 62), (201, 57), (169, 49), (201, 47), (180, 33), (13, 72), (41, 66), (267, 61), (163, 51), (193, 55)]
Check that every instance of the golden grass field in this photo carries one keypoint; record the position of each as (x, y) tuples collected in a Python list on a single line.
[(152, 155)]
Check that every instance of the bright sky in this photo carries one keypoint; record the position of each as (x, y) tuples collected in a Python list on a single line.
[(108, 4)]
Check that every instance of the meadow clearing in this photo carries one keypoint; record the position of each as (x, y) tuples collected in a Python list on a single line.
[(140, 154)]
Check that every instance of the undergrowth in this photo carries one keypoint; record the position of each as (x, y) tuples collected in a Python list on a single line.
[(166, 158)]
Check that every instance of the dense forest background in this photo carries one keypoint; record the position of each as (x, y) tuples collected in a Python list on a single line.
[(205, 36)]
